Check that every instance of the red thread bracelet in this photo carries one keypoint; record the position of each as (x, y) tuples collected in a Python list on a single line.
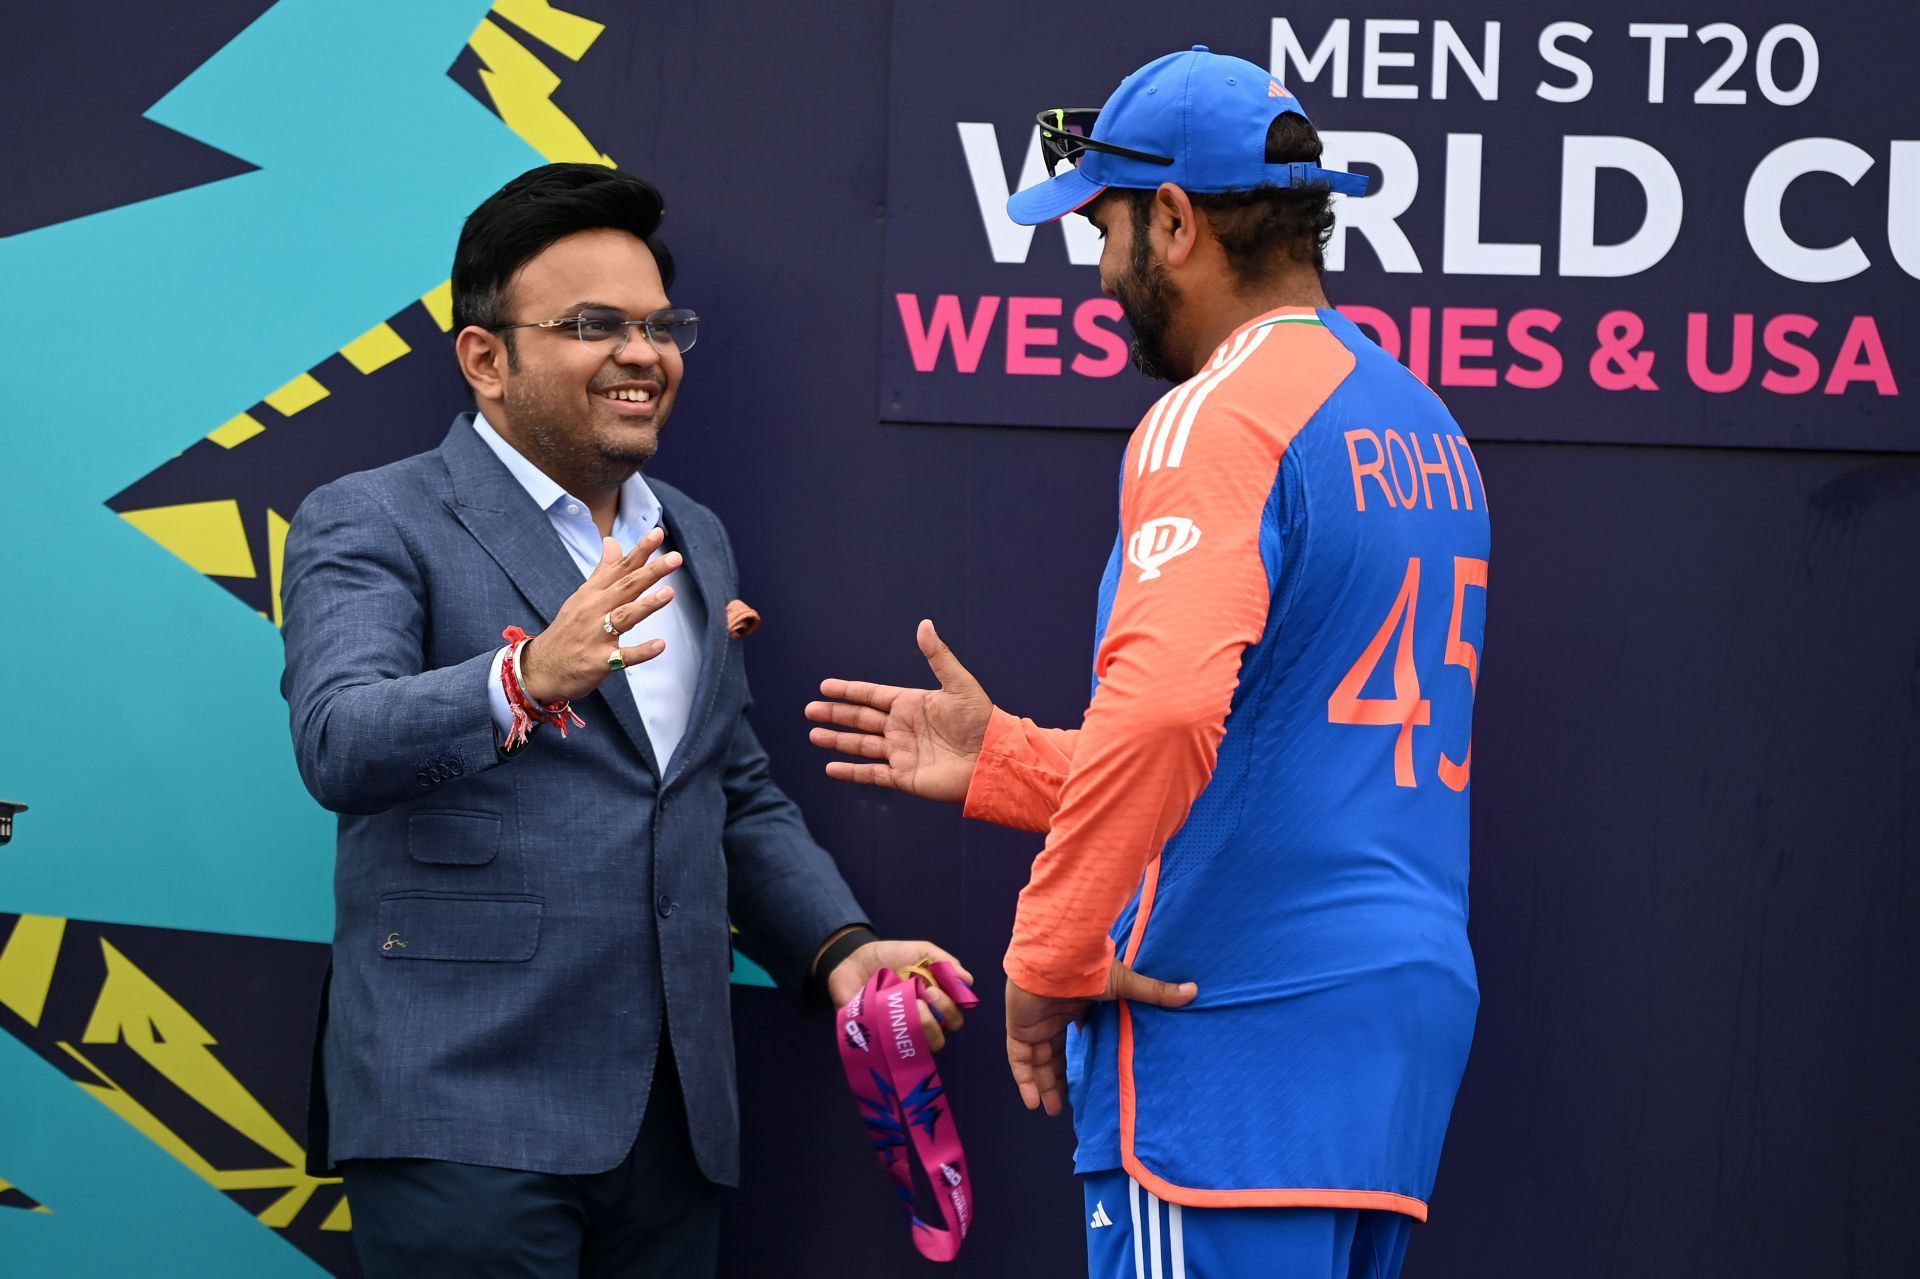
[(527, 712)]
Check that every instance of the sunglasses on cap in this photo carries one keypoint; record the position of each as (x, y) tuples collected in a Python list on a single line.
[(1066, 134)]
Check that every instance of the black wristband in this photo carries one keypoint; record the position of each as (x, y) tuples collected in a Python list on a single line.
[(842, 946)]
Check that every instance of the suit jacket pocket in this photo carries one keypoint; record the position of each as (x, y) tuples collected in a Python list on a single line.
[(453, 838), (459, 926)]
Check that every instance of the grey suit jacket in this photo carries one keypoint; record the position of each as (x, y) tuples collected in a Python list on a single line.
[(513, 933)]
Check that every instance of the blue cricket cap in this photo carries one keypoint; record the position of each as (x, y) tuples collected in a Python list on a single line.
[(1204, 115)]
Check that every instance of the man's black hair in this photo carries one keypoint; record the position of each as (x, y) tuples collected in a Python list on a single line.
[(514, 224), (1263, 228)]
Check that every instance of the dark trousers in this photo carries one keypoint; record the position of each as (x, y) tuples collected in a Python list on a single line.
[(652, 1215)]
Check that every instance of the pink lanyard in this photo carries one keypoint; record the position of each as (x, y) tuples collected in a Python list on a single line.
[(891, 1072)]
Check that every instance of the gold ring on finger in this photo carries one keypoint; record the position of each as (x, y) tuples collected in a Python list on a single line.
[(606, 624), (615, 662)]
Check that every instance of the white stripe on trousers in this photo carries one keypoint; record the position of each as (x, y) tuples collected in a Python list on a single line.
[(1139, 1265), (1176, 1241)]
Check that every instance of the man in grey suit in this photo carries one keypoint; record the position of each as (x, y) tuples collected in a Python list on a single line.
[(526, 1060)]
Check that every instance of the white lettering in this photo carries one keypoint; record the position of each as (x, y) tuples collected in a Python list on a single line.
[(1373, 58), (1553, 55), (1768, 186), (1583, 158), (897, 1018), (1333, 48), (1713, 93), (1377, 216), (1449, 48), (1903, 206), (1463, 252), (1809, 64), (1656, 34)]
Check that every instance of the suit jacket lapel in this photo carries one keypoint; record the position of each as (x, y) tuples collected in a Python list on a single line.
[(699, 545), (520, 538)]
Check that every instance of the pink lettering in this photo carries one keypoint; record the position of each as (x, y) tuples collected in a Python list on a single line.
[(1546, 357), (1022, 336), (1806, 369), (1456, 347), (1862, 359), (924, 341), (1113, 347), (1739, 360)]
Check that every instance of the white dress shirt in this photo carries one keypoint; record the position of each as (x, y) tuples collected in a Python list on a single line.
[(662, 687)]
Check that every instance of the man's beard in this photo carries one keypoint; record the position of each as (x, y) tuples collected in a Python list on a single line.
[(544, 414), (1146, 298)]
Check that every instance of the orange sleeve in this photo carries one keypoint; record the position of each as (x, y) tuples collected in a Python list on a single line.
[(1022, 767), (1192, 596)]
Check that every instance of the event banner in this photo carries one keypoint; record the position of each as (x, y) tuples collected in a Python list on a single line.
[(1656, 227)]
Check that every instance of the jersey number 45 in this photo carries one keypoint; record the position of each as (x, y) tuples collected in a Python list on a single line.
[(1406, 708)]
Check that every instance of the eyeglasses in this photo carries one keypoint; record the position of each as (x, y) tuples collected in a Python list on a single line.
[(1066, 134), (676, 327)]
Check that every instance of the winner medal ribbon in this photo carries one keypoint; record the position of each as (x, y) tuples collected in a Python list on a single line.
[(891, 1072)]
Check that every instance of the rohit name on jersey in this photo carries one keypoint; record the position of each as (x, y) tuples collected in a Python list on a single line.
[(1400, 470)]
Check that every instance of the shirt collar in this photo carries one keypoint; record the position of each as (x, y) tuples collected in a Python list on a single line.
[(639, 508)]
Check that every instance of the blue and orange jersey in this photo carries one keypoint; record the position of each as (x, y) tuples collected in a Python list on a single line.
[(1268, 794)]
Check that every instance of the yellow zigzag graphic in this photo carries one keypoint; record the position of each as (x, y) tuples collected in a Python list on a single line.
[(133, 1010), (210, 536), (27, 963)]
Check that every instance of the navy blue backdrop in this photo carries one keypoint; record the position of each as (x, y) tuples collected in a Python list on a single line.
[(1697, 758)]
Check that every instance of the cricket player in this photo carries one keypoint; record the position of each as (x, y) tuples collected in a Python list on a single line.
[(1267, 798)]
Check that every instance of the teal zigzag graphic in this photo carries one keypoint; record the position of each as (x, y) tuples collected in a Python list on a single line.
[(160, 795), (188, 814)]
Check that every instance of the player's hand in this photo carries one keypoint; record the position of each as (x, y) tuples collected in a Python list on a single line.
[(569, 658), (921, 741), (939, 1015), (1037, 1030)]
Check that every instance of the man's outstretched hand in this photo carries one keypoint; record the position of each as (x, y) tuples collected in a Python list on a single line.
[(1037, 1030), (569, 659), (919, 740)]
